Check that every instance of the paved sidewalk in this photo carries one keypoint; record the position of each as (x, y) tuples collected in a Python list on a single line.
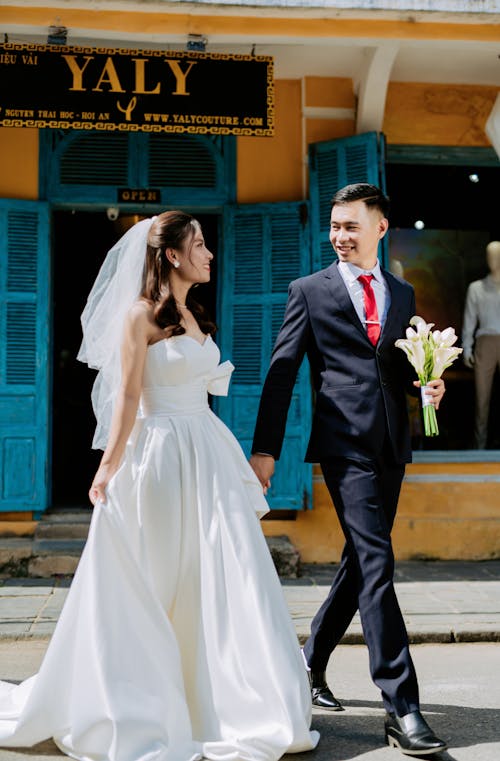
[(441, 602)]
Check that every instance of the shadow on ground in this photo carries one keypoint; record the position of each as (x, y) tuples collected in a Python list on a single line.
[(347, 735)]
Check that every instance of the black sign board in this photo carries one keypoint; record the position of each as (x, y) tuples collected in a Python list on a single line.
[(66, 87)]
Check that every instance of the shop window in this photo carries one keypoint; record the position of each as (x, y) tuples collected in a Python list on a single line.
[(442, 218)]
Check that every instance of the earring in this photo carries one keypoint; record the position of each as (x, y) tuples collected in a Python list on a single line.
[(176, 264)]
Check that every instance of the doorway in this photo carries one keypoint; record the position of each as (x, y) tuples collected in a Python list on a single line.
[(80, 241), (442, 217)]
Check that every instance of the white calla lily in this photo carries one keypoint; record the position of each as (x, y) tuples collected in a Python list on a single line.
[(423, 327), (448, 337), (415, 352), (443, 357)]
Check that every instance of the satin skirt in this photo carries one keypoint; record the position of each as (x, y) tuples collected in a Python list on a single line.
[(175, 642)]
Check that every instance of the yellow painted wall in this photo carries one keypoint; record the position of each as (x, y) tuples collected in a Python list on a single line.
[(434, 114), (439, 520), (19, 163), (318, 130), (269, 168), (328, 92)]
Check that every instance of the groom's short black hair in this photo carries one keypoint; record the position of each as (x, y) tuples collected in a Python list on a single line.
[(372, 196)]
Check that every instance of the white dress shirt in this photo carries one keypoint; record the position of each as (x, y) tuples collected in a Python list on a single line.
[(350, 273)]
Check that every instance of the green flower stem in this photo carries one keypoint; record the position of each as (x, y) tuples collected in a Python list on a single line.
[(430, 420), (429, 415)]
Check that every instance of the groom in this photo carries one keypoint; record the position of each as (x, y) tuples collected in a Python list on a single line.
[(346, 318)]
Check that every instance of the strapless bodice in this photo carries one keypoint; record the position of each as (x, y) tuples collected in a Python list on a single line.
[(179, 374)]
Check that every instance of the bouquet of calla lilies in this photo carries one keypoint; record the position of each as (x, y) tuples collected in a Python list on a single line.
[(430, 352)]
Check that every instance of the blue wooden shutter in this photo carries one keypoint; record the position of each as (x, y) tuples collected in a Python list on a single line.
[(332, 165), (89, 167), (265, 247), (24, 370)]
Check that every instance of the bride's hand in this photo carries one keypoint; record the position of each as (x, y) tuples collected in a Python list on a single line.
[(98, 489)]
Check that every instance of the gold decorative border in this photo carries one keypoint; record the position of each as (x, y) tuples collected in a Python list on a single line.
[(33, 47), (106, 127)]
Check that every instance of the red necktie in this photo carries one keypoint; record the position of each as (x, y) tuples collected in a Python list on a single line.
[(371, 313)]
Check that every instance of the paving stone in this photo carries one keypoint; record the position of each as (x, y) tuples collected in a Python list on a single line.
[(13, 629), (41, 630), (20, 607), (22, 591)]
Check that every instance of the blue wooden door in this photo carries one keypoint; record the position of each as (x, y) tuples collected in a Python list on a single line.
[(332, 165), (265, 247), (24, 367)]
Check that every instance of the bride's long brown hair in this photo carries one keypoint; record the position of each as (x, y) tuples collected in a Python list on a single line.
[(172, 229)]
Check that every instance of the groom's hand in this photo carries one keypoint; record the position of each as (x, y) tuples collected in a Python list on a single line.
[(436, 390), (263, 467)]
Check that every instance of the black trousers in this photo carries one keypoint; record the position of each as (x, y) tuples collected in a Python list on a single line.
[(365, 495)]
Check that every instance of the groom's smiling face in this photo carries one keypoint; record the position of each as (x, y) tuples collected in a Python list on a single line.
[(355, 230)]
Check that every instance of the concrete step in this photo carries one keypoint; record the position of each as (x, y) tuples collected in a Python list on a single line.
[(15, 554), (58, 546), (57, 563), (27, 557), (67, 515), (61, 530), (285, 555), (64, 524), (59, 541)]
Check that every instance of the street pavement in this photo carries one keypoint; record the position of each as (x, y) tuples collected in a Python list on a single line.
[(441, 601), (452, 611)]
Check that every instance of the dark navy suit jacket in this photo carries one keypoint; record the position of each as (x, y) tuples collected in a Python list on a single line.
[(359, 389)]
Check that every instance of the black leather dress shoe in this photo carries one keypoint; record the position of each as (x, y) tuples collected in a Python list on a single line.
[(321, 694), (412, 735)]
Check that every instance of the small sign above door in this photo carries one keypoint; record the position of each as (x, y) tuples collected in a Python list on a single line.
[(138, 195), (65, 87)]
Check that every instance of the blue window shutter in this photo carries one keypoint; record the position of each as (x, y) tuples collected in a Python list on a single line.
[(332, 165), (24, 366), (89, 167), (95, 158), (265, 247)]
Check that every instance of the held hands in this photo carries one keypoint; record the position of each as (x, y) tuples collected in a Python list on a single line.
[(436, 391), (263, 467)]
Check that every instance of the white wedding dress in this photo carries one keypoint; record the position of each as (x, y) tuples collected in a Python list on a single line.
[(175, 642)]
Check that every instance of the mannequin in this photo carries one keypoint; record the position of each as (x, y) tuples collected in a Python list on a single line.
[(481, 338)]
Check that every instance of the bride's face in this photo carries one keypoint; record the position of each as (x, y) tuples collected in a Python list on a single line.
[(194, 259)]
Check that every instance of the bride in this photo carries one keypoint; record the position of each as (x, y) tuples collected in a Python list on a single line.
[(175, 642)]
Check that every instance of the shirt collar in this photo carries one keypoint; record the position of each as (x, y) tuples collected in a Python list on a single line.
[(350, 272)]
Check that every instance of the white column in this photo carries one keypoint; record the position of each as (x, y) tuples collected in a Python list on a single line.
[(372, 89)]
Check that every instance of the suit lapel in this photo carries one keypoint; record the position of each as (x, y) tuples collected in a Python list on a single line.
[(394, 307), (338, 290)]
